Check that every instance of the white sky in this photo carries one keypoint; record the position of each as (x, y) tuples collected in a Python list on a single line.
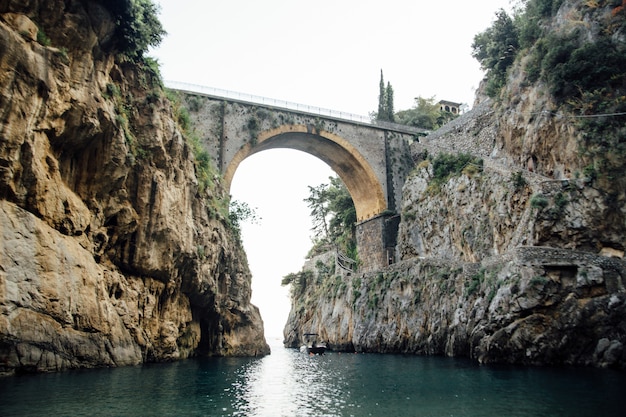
[(323, 53)]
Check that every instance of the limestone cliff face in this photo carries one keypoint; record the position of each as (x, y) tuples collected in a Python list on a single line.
[(111, 254), (534, 306), (496, 265), (517, 259)]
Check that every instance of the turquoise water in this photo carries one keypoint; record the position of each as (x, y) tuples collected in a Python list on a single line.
[(288, 383)]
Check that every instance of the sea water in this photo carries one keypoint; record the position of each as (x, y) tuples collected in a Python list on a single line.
[(290, 383)]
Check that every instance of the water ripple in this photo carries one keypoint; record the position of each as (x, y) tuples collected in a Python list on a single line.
[(288, 383)]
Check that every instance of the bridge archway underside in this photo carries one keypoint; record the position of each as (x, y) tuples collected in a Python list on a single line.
[(360, 179), (372, 161)]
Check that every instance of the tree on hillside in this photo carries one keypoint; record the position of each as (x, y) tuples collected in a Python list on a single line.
[(426, 114), (343, 217), (496, 49), (138, 26), (240, 212), (317, 201), (334, 217)]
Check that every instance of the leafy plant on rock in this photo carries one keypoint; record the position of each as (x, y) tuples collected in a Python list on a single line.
[(137, 26), (447, 165), (518, 180), (496, 49), (538, 201)]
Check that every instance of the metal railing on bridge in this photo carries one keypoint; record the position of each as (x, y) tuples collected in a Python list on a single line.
[(288, 105)]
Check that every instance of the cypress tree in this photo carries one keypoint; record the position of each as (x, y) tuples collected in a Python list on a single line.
[(382, 99), (389, 107), (385, 101)]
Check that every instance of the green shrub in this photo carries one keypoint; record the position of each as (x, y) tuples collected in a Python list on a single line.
[(195, 103), (137, 26), (409, 216), (496, 49), (205, 170), (518, 180), (590, 173), (372, 301), (573, 67), (150, 77), (42, 38), (560, 201), (539, 280), (184, 119), (298, 281), (538, 201), (448, 165), (63, 53), (112, 91), (474, 284)]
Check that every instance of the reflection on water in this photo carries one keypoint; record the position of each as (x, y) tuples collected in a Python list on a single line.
[(291, 384), (288, 383)]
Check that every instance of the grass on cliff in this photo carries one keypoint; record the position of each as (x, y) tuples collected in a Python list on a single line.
[(309, 287), (446, 166)]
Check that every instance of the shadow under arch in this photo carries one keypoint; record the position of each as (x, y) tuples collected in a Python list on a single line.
[(358, 176)]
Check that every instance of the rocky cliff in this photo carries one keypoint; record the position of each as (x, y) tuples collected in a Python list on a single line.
[(113, 250), (476, 280), (511, 240)]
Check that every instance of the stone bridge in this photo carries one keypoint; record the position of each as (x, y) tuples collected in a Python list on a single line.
[(372, 159)]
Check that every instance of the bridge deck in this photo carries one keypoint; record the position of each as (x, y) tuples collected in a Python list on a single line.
[(287, 105)]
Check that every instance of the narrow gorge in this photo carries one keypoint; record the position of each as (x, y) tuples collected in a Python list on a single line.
[(117, 246)]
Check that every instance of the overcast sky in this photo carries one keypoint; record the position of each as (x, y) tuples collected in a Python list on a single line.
[(327, 54)]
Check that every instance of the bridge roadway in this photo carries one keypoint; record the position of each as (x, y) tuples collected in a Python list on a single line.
[(372, 159), (288, 105)]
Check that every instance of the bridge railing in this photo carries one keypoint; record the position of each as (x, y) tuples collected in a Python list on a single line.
[(344, 262), (288, 105)]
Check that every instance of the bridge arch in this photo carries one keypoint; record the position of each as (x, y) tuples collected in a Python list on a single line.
[(356, 173)]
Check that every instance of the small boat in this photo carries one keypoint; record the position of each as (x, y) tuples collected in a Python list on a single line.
[(312, 346)]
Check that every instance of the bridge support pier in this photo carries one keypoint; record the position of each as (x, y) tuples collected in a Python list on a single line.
[(376, 240)]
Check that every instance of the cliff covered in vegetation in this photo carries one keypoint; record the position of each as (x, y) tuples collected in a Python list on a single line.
[(511, 239), (116, 244)]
